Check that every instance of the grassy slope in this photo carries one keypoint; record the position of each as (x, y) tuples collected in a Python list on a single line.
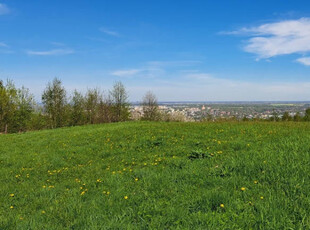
[(79, 177)]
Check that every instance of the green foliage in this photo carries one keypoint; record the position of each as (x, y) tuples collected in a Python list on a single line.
[(77, 115), (54, 101), (286, 117), (120, 104), (147, 175), (297, 117), (307, 115)]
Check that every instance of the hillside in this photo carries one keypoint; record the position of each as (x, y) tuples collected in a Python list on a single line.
[(140, 175)]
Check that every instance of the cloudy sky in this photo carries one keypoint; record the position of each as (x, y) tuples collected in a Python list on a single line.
[(199, 50)]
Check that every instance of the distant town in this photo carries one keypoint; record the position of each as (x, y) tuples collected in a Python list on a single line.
[(196, 111)]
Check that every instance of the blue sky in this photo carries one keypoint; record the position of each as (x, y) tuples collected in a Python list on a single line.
[(181, 50)]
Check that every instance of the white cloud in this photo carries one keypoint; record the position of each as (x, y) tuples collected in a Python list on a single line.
[(126, 73), (54, 52), (4, 9), (278, 38), (304, 60), (2, 44), (109, 32)]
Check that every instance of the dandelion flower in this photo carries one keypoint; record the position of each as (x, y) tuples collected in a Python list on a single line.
[(12, 195), (11, 207), (222, 205), (136, 179), (125, 197), (261, 197), (242, 188), (43, 212), (255, 182)]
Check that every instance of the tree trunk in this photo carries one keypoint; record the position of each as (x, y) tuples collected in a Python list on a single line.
[(6, 129)]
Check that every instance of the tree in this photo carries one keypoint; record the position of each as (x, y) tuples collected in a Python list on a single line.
[(105, 109), (275, 116), (307, 115), (91, 104), (297, 117), (54, 101), (24, 111), (150, 107), (120, 104), (286, 117), (77, 109), (8, 97)]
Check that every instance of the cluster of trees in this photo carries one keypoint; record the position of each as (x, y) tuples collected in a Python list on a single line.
[(287, 117), (19, 112)]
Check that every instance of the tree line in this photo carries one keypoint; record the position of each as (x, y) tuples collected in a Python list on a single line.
[(19, 112)]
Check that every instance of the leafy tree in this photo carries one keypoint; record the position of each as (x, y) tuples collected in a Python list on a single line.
[(275, 116), (91, 104), (105, 110), (77, 109), (8, 98), (307, 115), (286, 117), (54, 101), (297, 117), (24, 110), (150, 107), (120, 104)]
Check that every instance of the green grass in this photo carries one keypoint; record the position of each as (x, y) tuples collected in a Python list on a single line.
[(175, 175)]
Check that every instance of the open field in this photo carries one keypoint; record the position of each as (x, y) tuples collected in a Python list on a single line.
[(141, 175)]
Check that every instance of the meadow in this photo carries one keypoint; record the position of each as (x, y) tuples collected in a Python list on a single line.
[(147, 175)]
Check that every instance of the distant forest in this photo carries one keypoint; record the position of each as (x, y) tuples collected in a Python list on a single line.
[(20, 113)]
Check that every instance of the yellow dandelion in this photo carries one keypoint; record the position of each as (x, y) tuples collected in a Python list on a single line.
[(222, 205), (242, 188), (82, 193), (12, 195), (261, 197), (136, 179), (108, 193), (11, 207), (255, 182), (43, 212), (44, 186), (125, 197)]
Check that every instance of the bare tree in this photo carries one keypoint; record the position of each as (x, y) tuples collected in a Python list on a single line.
[(150, 107)]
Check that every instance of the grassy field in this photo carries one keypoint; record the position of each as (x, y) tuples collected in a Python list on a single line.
[(141, 175)]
